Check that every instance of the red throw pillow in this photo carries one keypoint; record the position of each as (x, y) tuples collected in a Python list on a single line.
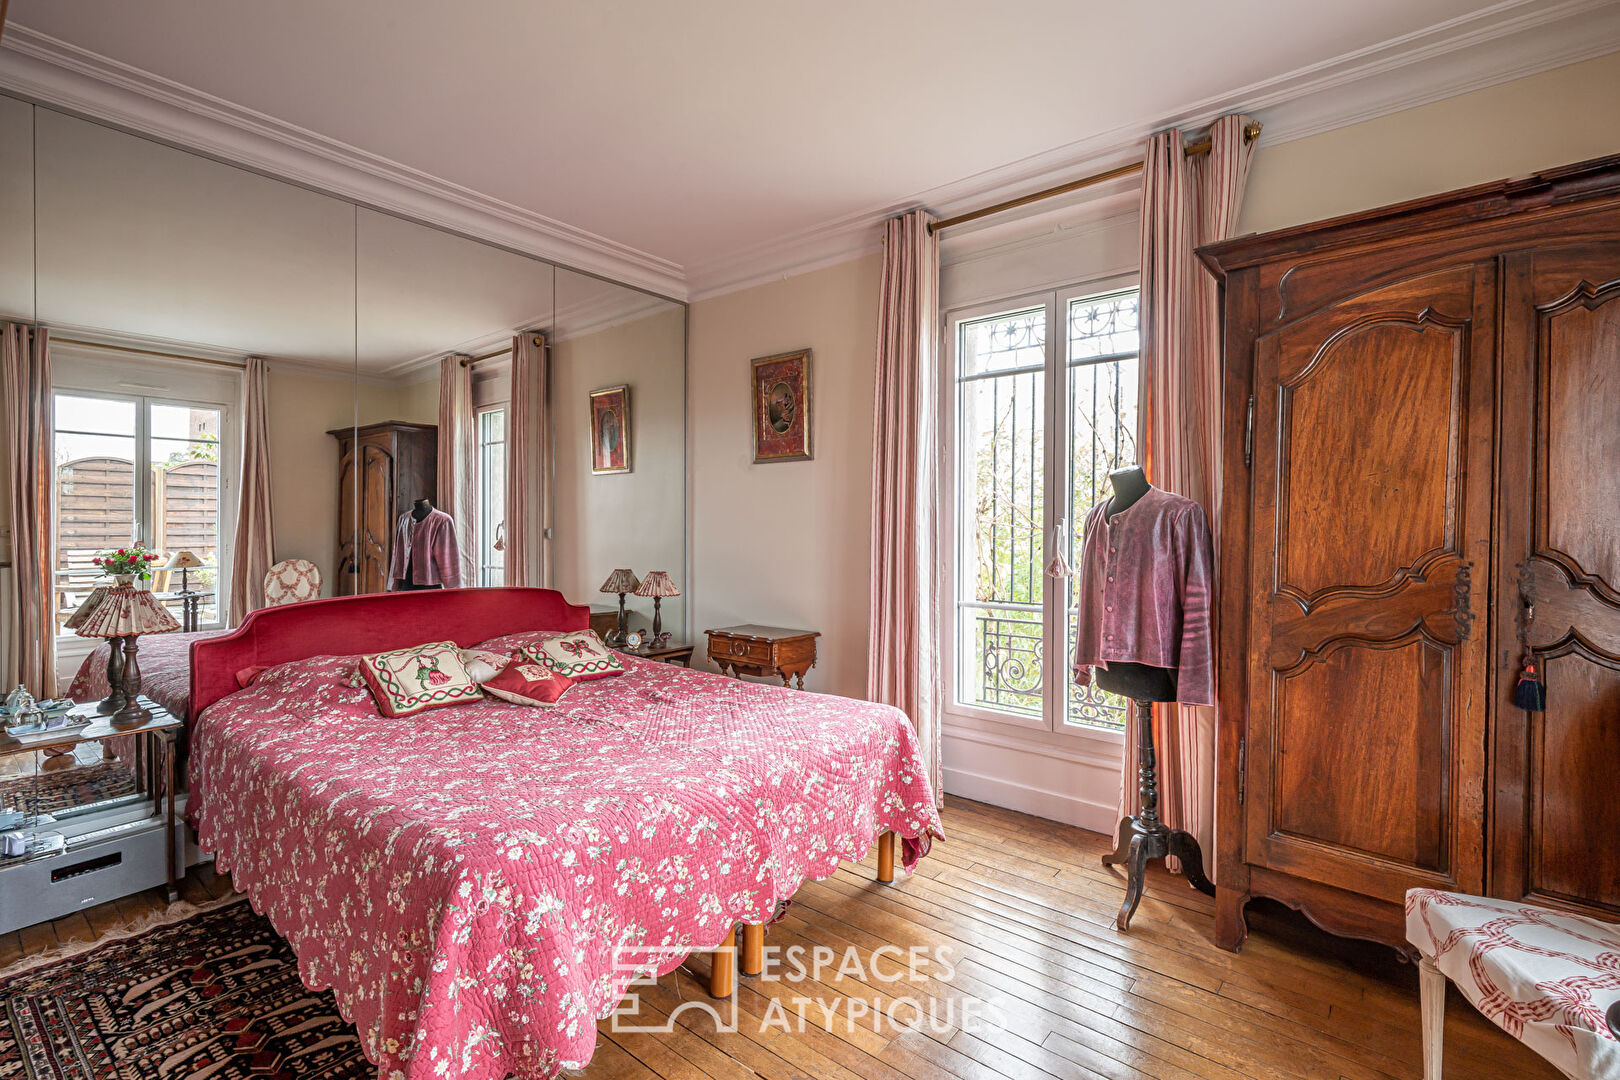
[(247, 675), (525, 682)]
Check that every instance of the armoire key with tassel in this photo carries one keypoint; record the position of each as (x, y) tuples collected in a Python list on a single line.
[(1421, 494)]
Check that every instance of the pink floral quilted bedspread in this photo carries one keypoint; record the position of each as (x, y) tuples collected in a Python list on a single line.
[(477, 884), (165, 662)]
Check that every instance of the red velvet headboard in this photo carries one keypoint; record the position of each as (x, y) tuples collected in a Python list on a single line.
[(372, 623)]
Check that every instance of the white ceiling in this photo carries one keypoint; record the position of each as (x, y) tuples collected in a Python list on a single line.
[(699, 130)]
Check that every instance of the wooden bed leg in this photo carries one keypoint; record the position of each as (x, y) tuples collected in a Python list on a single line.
[(886, 858), (753, 949), (1432, 991), (723, 968)]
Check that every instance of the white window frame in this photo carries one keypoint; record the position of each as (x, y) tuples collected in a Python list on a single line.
[(1054, 676), (158, 383), (478, 538)]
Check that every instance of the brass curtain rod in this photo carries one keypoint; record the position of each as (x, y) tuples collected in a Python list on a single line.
[(1251, 131), (147, 352)]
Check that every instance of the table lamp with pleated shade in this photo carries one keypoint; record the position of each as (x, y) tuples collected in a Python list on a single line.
[(657, 584), (121, 614), (621, 582)]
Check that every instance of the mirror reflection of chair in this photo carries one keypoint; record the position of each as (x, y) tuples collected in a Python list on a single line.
[(290, 581)]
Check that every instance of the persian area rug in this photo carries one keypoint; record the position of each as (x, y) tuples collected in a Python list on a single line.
[(216, 997)]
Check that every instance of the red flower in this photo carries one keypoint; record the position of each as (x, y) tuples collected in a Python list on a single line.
[(151, 558), (121, 551), (96, 560)]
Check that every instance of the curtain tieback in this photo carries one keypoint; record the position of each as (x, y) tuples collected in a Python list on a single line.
[(1059, 566)]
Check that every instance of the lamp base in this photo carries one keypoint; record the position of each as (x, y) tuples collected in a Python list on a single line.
[(115, 679), (132, 712)]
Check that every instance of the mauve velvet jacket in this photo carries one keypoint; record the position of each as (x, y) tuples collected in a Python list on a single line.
[(1145, 592), (433, 543)]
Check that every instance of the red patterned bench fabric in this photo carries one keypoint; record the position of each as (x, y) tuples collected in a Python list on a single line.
[(1544, 977)]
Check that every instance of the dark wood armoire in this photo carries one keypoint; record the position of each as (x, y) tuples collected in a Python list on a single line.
[(1422, 472), (396, 464)]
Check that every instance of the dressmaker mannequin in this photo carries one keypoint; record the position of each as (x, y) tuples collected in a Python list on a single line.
[(1145, 837), (419, 512)]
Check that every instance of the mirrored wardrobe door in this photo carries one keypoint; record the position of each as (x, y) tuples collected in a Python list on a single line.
[(618, 408), (438, 315), (160, 273)]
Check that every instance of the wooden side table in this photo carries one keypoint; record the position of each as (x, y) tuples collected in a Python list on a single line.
[(676, 652), (605, 621), (764, 650)]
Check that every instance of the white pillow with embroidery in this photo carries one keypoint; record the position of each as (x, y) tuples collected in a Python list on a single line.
[(580, 655), (409, 681)]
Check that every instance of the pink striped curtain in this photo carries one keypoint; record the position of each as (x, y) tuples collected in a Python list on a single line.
[(903, 650), (528, 467), (1186, 202), (253, 551), (25, 374), (456, 496)]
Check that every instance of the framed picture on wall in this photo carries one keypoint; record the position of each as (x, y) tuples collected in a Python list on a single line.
[(610, 430), (781, 404)]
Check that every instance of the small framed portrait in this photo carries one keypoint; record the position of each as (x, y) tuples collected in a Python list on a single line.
[(781, 403), (610, 430)]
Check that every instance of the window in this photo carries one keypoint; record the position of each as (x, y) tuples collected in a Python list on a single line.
[(1027, 470), (491, 513), (134, 469)]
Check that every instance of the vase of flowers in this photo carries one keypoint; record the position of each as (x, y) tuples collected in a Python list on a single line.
[(127, 565)]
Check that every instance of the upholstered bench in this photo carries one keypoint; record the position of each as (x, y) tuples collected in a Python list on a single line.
[(1544, 977)]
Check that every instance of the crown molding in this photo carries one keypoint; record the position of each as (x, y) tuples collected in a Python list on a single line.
[(60, 75), (1501, 43), (577, 320)]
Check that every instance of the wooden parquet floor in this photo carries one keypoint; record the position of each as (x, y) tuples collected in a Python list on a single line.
[(1043, 986)]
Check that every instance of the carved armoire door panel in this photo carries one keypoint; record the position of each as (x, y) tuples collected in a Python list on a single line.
[(376, 513), (1371, 515), (1556, 819)]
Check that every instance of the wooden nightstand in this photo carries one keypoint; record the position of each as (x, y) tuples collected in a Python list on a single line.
[(675, 652), (764, 650)]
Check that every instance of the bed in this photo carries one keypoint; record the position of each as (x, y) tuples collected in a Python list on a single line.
[(478, 884), (165, 661)]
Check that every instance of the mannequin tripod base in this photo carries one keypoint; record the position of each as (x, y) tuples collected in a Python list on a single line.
[(1140, 843), (1144, 837)]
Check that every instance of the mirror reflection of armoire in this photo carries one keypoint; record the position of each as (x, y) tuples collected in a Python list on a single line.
[(398, 463)]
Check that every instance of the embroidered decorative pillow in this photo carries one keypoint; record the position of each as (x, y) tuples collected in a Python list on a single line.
[(528, 682), (484, 664), (408, 681), (579, 655)]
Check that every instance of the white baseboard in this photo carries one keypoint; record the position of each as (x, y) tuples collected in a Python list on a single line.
[(1060, 806)]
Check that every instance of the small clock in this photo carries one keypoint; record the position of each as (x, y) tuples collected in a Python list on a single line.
[(633, 639)]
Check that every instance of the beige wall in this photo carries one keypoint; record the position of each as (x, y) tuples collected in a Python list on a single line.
[(634, 519), (1561, 116), (786, 543)]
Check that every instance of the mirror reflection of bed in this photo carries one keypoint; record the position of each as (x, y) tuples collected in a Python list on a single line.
[(360, 317)]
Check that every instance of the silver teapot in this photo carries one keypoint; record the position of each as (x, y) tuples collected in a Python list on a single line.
[(20, 703)]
